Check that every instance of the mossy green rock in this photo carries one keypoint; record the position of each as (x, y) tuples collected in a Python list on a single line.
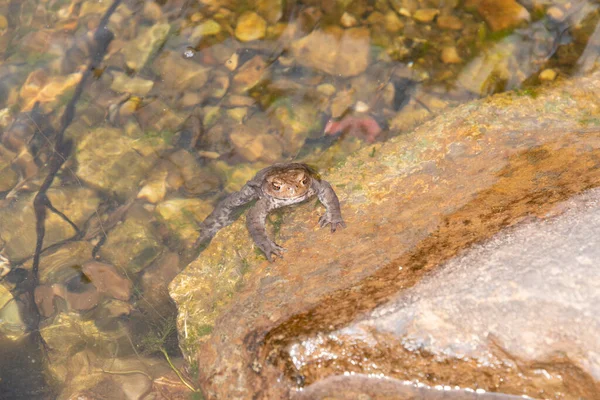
[(217, 274)]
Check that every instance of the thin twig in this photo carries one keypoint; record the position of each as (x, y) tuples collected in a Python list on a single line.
[(174, 368)]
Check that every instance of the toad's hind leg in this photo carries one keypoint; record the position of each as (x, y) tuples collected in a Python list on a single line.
[(225, 213)]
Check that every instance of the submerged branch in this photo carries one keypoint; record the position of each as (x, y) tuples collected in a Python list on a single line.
[(41, 203)]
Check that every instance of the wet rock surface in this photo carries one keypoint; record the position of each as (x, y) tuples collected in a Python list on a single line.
[(523, 302), (358, 386), (245, 319)]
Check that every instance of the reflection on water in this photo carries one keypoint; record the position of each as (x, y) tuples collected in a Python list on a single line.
[(190, 100)]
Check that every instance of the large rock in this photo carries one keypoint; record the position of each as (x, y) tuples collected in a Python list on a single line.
[(360, 386), (410, 205)]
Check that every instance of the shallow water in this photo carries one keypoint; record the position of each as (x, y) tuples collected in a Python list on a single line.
[(189, 101)]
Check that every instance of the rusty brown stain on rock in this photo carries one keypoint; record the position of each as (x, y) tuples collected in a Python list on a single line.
[(394, 361), (530, 185)]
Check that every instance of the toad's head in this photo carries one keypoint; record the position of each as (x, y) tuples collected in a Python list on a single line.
[(287, 183)]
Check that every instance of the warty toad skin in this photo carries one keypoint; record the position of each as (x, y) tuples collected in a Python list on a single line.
[(273, 187)]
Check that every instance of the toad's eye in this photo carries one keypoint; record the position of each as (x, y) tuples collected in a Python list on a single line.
[(276, 186), (304, 181)]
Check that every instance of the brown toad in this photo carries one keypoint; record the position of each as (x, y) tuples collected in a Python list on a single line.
[(273, 187)]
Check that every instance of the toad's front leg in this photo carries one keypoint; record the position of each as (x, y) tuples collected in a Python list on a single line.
[(333, 213), (255, 221)]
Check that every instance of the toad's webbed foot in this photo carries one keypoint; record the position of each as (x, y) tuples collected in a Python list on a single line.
[(271, 248), (335, 221)]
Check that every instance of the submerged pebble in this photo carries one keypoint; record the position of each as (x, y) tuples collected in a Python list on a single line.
[(250, 26)]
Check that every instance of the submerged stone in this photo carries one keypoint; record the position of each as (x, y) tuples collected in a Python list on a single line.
[(138, 51), (506, 64), (112, 161), (207, 28), (425, 15), (195, 180), (250, 74), (64, 263), (108, 280), (297, 122), (155, 280), (450, 55), (180, 74), (17, 220), (250, 26), (182, 216), (48, 90), (548, 75), (334, 51), (501, 14), (8, 177), (256, 146), (11, 325), (271, 10), (5, 296), (449, 22), (136, 85), (67, 334), (132, 245)]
